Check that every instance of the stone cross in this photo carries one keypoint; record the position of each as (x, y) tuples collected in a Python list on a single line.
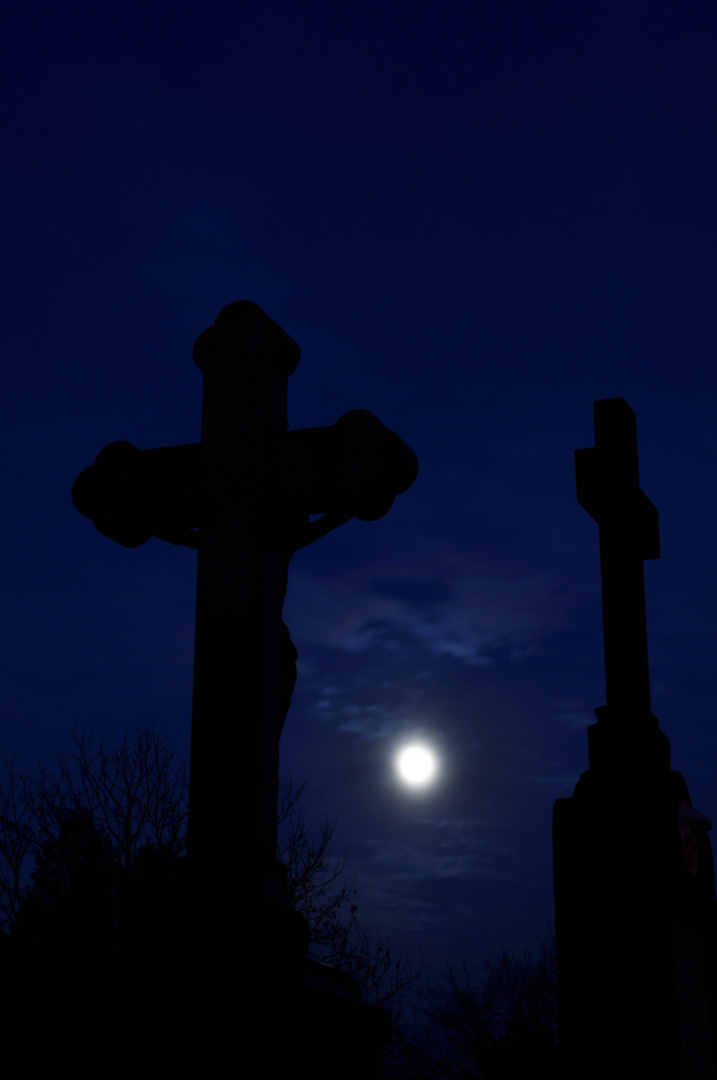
[(243, 497), (635, 916), (608, 487)]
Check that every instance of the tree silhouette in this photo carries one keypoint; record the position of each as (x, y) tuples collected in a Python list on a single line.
[(498, 1024), (90, 853), (75, 880), (321, 889), (89, 874), (113, 812)]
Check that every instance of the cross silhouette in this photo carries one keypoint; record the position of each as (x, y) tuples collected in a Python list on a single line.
[(243, 497), (608, 487)]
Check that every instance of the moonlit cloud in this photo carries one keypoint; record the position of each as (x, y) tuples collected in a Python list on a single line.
[(574, 715), (454, 857), (477, 613)]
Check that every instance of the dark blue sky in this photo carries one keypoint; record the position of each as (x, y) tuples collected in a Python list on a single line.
[(475, 218)]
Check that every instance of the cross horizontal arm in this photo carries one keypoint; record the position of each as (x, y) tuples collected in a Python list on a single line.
[(131, 495), (605, 495), (354, 468)]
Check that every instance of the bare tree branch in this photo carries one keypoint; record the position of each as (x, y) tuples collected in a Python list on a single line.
[(321, 889), (135, 795), (18, 838), (502, 1022)]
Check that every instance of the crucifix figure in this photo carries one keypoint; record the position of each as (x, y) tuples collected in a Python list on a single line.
[(243, 497)]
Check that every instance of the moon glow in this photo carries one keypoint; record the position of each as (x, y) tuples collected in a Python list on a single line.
[(416, 765)]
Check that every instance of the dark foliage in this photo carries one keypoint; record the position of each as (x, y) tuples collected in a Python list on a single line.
[(74, 883), (83, 844)]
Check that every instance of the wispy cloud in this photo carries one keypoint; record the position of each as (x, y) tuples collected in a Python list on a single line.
[(468, 612), (574, 715), (450, 849)]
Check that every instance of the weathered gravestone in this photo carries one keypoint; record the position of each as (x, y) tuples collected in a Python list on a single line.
[(243, 497), (634, 878)]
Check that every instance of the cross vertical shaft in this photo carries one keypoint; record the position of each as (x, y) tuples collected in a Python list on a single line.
[(608, 487), (246, 359)]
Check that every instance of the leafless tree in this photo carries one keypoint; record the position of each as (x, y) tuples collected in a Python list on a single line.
[(136, 793), (320, 887), (135, 796), (501, 1022), (18, 839)]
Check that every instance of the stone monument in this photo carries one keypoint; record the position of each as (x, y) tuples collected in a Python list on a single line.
[(244, 497), (634, 878)]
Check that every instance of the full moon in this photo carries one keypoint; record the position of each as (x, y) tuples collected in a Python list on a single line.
[(416, 765)]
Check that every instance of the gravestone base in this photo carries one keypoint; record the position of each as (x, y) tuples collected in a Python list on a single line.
[(635, 922)]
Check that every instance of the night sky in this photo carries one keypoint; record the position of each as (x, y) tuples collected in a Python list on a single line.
[(475, 219)]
